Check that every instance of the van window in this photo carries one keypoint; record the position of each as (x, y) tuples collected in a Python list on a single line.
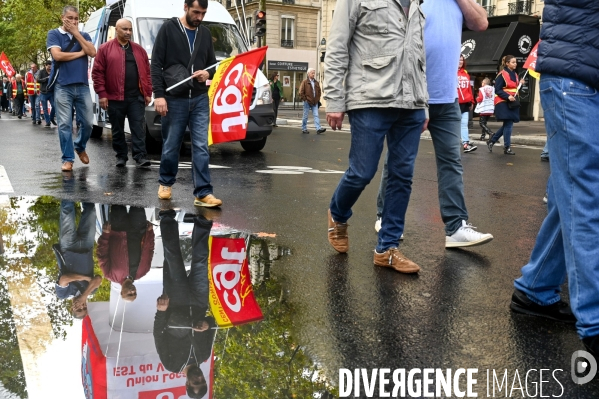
[(226, 39)]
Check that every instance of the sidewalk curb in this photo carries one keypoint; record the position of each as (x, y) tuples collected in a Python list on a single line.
[(516, 139)]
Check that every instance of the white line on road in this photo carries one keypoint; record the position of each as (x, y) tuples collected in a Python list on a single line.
[(5, 186)]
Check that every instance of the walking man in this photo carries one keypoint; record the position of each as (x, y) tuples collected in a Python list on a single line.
[(442, 36), (567, 241), (33, 91), (177, 40), (46, 96), (6, 95), (70, 49), (124, 87), (310, 93), (363, 66)]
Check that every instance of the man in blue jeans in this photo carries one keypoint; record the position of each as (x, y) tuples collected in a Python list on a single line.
[(375, 72), (567, 241), (74, 255), (71, 87), (46, 96), (188, 105), (310, 92), (442, 36)]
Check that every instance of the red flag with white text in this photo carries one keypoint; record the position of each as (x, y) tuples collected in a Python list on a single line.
[(531, 62), (230, 96), (232, 299), (6, 66)]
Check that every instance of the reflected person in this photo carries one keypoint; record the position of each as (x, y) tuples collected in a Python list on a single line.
[(74, 254), (182, 331), (125, 248)]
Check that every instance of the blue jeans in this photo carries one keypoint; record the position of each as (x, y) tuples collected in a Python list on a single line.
[(183, 112), (369, 127), (506, 131), (464, 127), (65, 97), (34, 101), (314, 109), (73, 238), (44, 98), (567, 241), (444, 127)]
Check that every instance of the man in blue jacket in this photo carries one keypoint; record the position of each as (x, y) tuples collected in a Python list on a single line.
[(567, 242)]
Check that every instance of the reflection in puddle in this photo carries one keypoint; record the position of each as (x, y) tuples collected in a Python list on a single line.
[(156, 291)]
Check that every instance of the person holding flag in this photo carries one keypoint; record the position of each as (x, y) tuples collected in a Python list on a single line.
[(183, 44)]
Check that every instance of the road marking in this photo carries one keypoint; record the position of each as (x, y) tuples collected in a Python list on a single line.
[(5, 186), (187, 165), (295, 170)]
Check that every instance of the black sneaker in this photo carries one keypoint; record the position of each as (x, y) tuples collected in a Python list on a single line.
[(120, 163), (508, 151), (47, 125), (545, 158), (482, 137), (321, 131), (39, 122), (52, 121), (592, 345), (490, 145), (143, 163), (305, 132), (469, 148), (559, 311)]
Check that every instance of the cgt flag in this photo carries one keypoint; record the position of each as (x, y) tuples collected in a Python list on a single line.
[(232, 299), (6, 66), (230, 95), (531, 62)]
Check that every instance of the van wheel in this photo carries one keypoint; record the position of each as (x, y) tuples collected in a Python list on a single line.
[(153, 146), (253, 146), (96, 132)]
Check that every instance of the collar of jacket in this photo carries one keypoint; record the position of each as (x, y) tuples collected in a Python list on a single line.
[(187, 37)]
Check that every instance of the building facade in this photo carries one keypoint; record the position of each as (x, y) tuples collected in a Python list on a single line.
[(292, 37)]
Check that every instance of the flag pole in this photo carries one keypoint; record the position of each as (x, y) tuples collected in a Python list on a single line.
[(189, 78), (520, 84)]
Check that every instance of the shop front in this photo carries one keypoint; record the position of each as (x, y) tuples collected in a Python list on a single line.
[(291, 75), (506, 35)]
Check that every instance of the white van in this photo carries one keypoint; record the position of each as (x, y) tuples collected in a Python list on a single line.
[(147, 16)]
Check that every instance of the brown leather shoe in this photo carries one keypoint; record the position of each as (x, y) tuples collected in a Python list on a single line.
[(164, 192), (208, 201), (83, 157), (338, 235), (67, 166), (395, 259)]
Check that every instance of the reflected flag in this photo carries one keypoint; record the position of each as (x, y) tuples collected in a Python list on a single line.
[(6, 66), (531, 62), (230, 96), (232, 300)]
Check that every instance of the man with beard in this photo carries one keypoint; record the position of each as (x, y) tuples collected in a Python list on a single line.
[(183, 333), (124, 88), (182, 47)]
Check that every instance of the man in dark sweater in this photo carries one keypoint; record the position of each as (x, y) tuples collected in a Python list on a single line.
[(183, 334), (45, 95), (187, 105)]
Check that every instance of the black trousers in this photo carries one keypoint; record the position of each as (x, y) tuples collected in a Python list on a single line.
[(275, 106), (134, 223), (133, 109), (18, 104)]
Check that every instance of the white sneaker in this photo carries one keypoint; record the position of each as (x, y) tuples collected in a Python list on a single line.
[(466, 236), (377, 226), (544, 200)]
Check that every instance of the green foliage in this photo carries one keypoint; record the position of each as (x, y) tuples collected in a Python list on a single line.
[(263, 360), (24, 25)]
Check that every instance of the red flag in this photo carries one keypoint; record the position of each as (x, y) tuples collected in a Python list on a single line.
[(230, 95), (232, 299), (531, 62), (6, 66)]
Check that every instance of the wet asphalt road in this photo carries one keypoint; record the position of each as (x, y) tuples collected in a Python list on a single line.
[(348, 313)]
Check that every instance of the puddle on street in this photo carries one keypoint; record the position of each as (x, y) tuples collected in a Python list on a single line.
[(125, 302)]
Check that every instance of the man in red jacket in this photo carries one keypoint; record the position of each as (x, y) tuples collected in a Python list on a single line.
[(126, 248), (121, 76)]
